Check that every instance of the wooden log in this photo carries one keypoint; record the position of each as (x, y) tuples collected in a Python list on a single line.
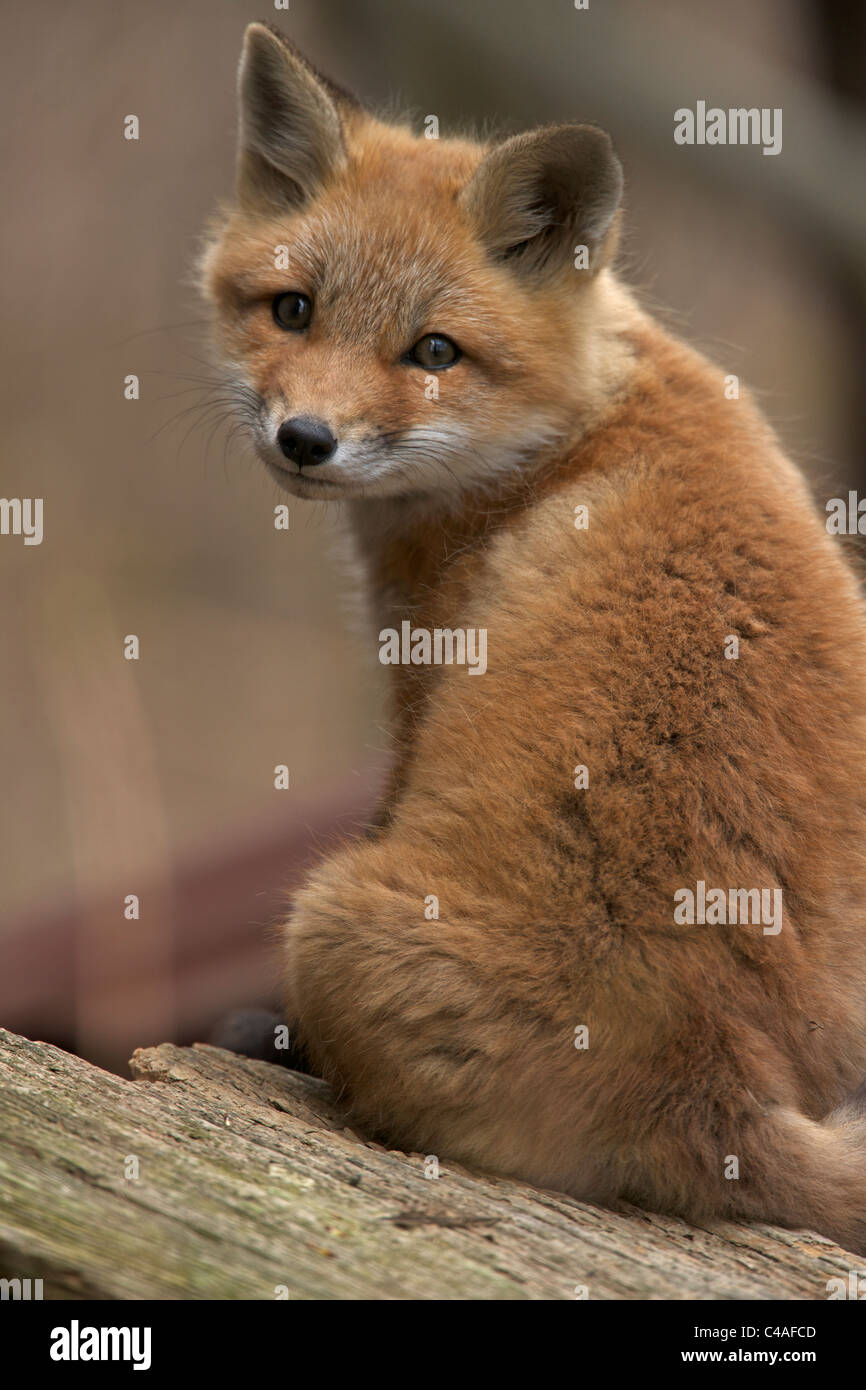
[(250, 1186)]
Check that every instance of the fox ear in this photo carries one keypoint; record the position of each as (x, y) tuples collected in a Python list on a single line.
[(291, 134), (537, 197)]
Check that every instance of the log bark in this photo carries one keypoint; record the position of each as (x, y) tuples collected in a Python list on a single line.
[(250, 1186)]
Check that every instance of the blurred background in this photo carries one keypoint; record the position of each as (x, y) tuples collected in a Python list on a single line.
[(156, 777)]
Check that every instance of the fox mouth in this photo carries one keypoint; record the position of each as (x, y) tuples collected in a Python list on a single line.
[(303, 483), (353, 475)]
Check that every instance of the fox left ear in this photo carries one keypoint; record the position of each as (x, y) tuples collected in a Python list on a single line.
[(537, 197), (291, 134)]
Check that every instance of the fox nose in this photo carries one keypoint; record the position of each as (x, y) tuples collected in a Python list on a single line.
[(306, 441)]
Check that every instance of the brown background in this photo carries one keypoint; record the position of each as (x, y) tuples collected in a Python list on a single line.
[(156, 777)]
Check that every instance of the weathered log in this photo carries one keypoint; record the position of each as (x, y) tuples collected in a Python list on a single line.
[(249, 1185)]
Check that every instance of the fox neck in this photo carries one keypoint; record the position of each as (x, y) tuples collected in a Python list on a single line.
[(419, 558)]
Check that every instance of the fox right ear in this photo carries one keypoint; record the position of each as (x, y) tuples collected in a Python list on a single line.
[(291, 135), (538, 197)]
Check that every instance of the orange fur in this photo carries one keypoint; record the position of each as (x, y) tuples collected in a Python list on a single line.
[(606, 649)]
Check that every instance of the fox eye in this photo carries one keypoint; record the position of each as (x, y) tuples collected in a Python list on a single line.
[(292, 311), (433, 351)]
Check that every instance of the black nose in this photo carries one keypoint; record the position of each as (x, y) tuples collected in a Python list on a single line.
[(306, 441)]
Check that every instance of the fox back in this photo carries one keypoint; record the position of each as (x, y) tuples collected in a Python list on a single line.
[(607, 934)]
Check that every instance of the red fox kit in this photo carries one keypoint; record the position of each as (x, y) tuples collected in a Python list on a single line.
[(609, 935)]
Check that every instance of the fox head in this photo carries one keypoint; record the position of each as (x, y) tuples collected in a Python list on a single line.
[(399, 315)]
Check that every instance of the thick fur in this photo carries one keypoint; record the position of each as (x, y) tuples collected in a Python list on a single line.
[(606, 648)]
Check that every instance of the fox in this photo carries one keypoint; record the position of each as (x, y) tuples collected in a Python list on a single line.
[(507, 969)]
